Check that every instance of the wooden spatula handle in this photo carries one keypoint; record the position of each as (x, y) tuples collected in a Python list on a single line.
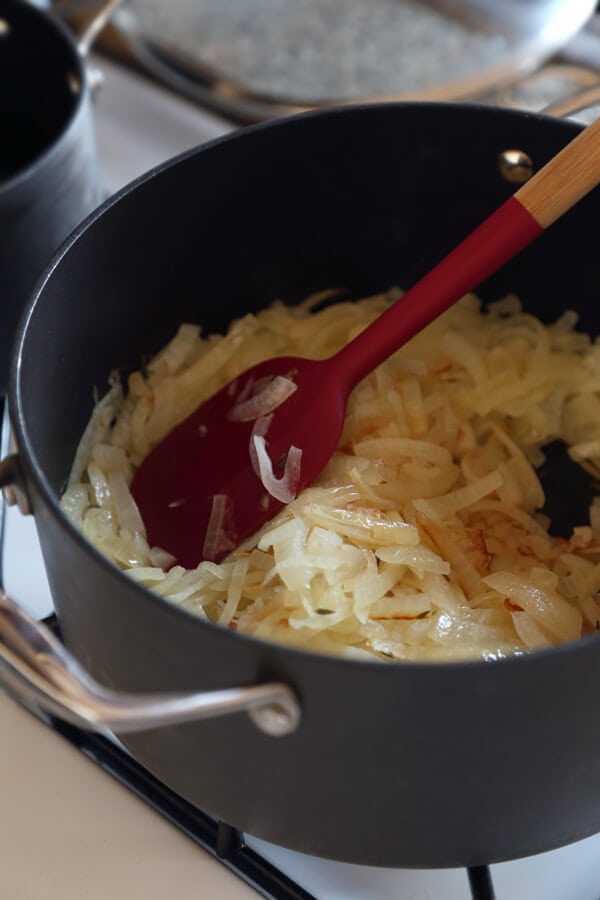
[(565, 179)]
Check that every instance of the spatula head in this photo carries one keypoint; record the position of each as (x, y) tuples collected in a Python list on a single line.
[(208, 455)]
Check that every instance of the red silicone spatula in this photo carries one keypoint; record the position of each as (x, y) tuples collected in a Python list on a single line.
[(198, 491)]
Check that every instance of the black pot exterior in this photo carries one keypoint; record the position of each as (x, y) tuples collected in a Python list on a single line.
[(49, 177), (405, 764)]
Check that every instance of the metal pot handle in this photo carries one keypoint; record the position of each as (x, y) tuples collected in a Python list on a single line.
[(40, 671), (85, 25), (95, 24), (86, 19)]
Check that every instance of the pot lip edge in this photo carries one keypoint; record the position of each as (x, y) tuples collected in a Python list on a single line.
[(50, 498)]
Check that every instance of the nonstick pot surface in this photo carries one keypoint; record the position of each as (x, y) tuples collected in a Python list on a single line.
[(423, 765)]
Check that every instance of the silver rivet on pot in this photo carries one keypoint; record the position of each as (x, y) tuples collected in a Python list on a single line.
[(74, 83), (276, 719), (515, 166), (95, 78), (12, 484), (4, 27)]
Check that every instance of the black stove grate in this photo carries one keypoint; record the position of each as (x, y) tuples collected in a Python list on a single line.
[(480, 882), (220, 840), (217, 838)]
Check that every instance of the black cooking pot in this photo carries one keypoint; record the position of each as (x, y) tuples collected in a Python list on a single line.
[(410, 764), (49, 176)]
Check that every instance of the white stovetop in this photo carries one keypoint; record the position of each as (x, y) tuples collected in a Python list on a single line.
[(68, 831)]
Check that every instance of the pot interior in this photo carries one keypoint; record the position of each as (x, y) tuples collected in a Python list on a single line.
[(40, 75), (361, 198)]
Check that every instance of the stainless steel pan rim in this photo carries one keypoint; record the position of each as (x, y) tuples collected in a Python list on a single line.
[(208, 86)]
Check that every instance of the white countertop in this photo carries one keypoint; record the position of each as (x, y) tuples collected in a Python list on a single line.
[(69, 831)]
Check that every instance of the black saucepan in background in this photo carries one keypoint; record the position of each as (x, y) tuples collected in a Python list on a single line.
[(49, 177)]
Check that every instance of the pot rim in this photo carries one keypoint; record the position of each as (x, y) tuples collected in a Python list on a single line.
[(560, 652), (63, 34)]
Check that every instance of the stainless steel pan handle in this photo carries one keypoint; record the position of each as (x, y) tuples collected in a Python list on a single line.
[(86, 19), (515, 164), (38, 670), (95, 24), (573, 105), (583, 91)]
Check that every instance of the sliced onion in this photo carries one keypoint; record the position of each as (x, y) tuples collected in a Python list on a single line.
[(285, 488), (162, 559), (216, 541), (126, 508), (246, 390), (261, 426), (265, 401)]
